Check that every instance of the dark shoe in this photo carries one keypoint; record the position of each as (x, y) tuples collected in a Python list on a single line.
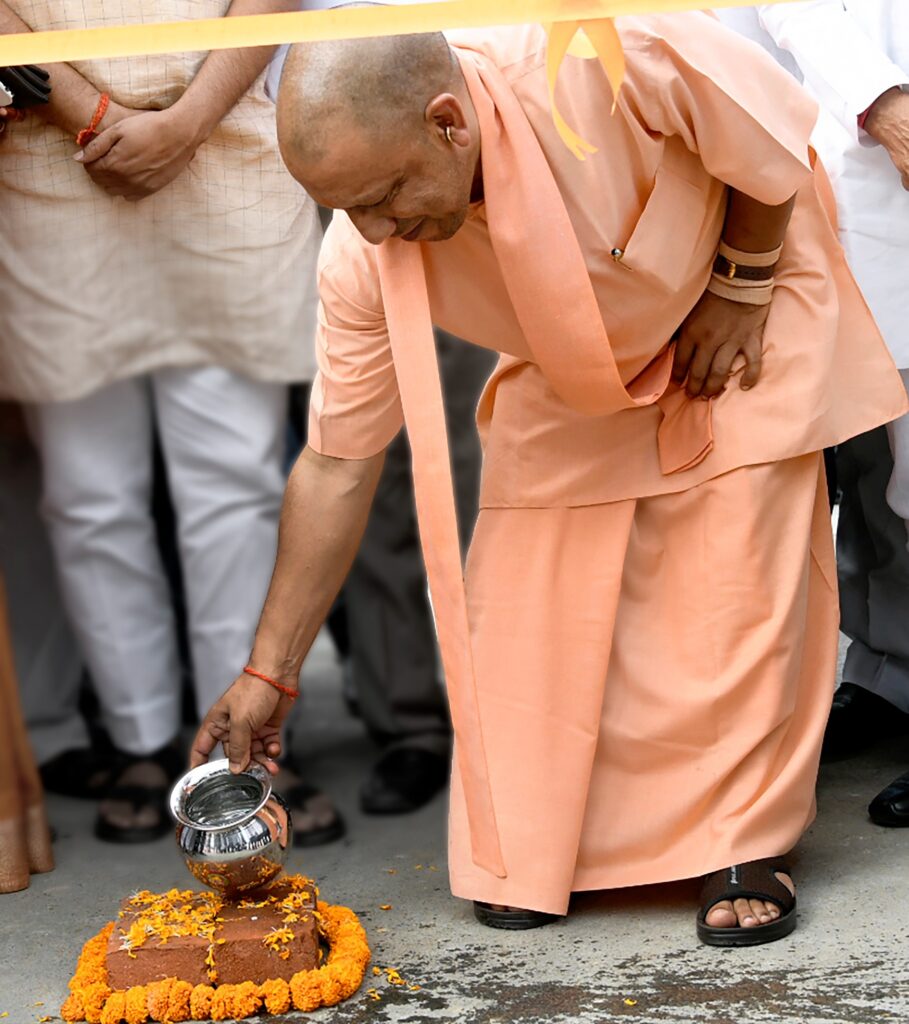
[(891, 806), (140, 796), (755, 880), (403, 780), (858, 718), (512, 919), (85, 774), (316, 819)]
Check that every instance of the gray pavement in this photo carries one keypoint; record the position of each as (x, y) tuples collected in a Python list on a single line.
[(620, 956)]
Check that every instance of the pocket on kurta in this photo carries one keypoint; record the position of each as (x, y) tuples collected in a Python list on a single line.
[(668, 232)]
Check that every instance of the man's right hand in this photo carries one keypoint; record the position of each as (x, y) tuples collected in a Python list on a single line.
[(888, 122), (247, 721)]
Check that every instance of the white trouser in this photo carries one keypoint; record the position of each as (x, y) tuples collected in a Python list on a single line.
[(48, 663), (223, 439)]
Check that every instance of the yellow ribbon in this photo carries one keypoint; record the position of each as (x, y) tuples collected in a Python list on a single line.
[(345, 23), (585, 40)]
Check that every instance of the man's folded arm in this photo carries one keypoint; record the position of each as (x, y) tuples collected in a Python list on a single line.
[(845, 68)]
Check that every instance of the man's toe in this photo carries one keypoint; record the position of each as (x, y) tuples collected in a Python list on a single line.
[(722, 916), (744, 913)]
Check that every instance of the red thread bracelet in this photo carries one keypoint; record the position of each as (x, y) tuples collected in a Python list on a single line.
[(87, 134), (286, 690)]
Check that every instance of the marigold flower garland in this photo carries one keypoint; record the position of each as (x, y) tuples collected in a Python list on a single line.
[(174, 1001)]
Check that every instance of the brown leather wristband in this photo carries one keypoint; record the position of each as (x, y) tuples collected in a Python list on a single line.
[(730, 270)]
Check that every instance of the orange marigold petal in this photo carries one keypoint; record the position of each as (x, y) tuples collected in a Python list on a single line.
[(95, 996), (221, 1003), (114, 1009), (276, 994), (178, 1004), (136, 1005), (306, 991), (73, 1009), (200, 1002), (157, 997), (332, 989)]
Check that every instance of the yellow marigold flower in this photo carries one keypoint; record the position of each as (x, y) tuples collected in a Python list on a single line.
[(173, 1001), (72, 1009), (178, 1004), (200, 1002), (332, 988), (136, 1005), (157, 998), (306, 991), (114, 1009), (276, 995), (94, 997)]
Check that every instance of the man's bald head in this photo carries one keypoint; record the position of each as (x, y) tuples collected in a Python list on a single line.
[(371, 85), (384, 129)]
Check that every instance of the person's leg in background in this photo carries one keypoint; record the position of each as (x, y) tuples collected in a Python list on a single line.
[(96, 458), (891, 806), (48, 660), (873, 570), (224, 438), (394, 662)]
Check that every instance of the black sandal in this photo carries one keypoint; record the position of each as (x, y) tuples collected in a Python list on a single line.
[(297, 797), (85, 774), (513, 920), (139, 796), (755, 880)]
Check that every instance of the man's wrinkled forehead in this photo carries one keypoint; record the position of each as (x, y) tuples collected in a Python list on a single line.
[(355, 171)]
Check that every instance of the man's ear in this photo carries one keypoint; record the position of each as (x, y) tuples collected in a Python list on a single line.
[(445, 116)]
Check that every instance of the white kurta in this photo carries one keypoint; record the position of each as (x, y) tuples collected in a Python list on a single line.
[(850, 52), (215, 269)]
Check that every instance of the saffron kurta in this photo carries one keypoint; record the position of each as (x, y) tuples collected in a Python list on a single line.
[(602, 521)]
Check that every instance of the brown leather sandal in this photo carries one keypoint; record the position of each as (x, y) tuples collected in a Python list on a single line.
[(755, 880)]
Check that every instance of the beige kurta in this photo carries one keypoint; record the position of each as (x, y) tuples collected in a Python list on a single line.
[(218, 268), (650, 593)]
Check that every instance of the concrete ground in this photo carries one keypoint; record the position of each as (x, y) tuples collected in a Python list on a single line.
[(620, 956)]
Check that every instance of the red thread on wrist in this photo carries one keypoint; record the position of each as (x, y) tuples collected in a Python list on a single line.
[(87, 134), (286, 690)]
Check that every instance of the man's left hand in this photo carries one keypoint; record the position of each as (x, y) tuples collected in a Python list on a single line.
[(141, 154), (714, 333)]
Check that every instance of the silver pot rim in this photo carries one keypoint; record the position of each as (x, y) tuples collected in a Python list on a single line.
[(188, 783)]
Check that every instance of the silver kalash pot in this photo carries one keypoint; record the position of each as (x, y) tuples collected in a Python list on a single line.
[(232, 830)]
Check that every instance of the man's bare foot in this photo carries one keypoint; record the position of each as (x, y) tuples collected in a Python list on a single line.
[(134, 809), (744, 913), (316, 819)]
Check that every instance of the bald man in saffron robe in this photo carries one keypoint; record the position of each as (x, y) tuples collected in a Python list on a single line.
[(640, 671)]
